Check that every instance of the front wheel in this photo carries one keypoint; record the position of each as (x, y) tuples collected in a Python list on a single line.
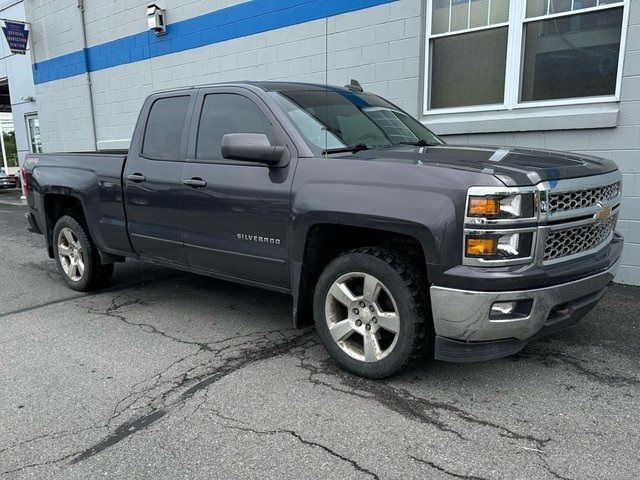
[(77, 257), (371, 312)]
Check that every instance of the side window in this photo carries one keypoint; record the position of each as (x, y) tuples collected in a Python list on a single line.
[(224, 113), (163, 135)]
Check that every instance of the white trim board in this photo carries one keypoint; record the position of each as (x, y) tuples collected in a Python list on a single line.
[(539, 119)]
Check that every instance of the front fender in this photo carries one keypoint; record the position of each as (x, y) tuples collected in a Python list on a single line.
[(429, 217), (433, 232)]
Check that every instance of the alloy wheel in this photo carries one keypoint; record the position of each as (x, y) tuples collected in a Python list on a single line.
[(70, 254), (362, 316)]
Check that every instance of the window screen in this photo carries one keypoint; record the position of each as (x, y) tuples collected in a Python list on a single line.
[(223, 114), (537, 8), (163, 135), (458, 15), (572, 56), (469, 69)]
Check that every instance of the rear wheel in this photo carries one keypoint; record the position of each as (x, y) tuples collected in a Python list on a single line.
[(77, 257), (371, 313)]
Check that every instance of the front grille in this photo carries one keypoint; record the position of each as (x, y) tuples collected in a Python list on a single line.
[(571, 241), (567, 201)]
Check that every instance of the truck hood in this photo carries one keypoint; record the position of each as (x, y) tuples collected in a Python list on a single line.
[(513, 166)]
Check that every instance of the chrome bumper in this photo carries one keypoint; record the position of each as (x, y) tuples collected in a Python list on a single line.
[(465, 315)]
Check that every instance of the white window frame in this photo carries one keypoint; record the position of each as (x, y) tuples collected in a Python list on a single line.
[(515, 57), (27, 117)]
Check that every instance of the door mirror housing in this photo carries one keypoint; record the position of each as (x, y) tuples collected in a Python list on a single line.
[(252, 147)]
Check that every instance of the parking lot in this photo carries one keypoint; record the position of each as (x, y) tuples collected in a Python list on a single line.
[(172, 375)]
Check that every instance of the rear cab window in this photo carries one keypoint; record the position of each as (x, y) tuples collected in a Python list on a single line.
[(165, 126)]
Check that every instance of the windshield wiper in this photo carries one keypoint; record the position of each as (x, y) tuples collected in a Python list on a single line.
[(419, 143), (356, 148)]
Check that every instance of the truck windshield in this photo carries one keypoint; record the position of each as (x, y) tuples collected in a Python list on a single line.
[(342, 120)]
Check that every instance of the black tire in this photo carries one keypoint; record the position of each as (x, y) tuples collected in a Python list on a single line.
[(95, 274), (407, 287)]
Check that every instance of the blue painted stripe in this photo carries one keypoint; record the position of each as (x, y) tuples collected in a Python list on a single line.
[(249, 18)]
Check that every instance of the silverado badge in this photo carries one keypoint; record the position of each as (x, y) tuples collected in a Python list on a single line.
[(258, 239)]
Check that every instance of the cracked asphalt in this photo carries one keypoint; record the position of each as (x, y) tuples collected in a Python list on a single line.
[(171, 375)]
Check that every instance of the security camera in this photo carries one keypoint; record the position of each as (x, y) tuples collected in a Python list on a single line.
[(155, 19)]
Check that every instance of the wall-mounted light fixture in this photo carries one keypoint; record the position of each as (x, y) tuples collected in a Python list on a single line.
[(156, 19)]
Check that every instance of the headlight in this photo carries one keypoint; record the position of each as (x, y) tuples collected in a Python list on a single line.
[(500, 226), (497, 246), (501, 206)]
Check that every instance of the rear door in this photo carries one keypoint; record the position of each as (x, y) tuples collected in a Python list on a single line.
[(237, 214), (152, 177)]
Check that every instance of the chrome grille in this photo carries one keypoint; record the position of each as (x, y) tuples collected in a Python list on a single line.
[(571, 241), (574, 200)]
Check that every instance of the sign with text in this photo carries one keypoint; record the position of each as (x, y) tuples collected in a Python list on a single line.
[(17, 35)]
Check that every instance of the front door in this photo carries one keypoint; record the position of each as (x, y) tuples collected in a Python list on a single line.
[(152, 179), (236, 215)]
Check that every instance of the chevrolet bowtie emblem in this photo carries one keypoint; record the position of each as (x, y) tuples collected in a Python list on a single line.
[(603, 214)]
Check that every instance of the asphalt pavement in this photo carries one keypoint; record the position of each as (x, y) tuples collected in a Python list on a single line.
[(167, 375)]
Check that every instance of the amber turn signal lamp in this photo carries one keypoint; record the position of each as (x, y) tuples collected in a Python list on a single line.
[(483, 207), (481, 247)]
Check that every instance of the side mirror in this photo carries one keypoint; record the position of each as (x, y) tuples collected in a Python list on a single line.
[(251, 147)]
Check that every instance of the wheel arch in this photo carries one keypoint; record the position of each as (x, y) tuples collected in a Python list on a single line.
[(321, 241), (57, 204)]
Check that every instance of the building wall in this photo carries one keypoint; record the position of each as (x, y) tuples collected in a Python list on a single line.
[(17, 70), (379, 43)]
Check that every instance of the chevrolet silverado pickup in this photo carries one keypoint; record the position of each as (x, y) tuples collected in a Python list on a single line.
[(394, 243)]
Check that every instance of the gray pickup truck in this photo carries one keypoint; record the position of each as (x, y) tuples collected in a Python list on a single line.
[(395, 244)]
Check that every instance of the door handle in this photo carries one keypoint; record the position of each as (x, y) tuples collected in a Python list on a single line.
[(195, 182), (136, 177)]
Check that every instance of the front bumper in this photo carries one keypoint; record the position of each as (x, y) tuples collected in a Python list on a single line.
[(465, 331)]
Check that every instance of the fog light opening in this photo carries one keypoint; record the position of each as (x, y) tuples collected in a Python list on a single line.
[(513, 309), (503, 308)]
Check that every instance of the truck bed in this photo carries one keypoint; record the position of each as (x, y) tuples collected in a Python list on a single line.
[(95, 180)]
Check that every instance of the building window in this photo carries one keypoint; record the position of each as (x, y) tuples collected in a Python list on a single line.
[(33, 131), (506, 54)]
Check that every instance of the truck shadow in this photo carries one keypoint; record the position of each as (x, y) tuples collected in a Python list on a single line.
[(594, 350)]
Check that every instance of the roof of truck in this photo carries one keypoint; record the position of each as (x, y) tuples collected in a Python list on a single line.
[(284, 86), (265, 86)]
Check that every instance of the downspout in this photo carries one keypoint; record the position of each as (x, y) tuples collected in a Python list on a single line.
[(88, 74)]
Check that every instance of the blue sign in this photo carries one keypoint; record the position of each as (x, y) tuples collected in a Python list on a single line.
[(17, 36)]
